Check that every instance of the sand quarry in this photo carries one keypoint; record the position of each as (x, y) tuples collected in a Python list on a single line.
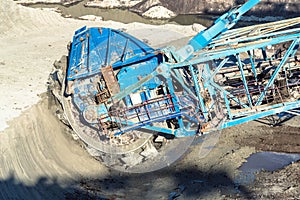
[(40, 160)]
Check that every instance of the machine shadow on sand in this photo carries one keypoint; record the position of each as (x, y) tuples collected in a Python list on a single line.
[(189, 183)]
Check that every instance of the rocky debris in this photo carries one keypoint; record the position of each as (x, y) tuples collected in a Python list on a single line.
[(165, 9), (197, 27), (91, 18), (145, 5), (132, 159), (177, 192), (150, 9), (159, 12), (112, 3), (183, 6), (271, 138), (217, 7), (149, 151), (282, 184), (153, 9)]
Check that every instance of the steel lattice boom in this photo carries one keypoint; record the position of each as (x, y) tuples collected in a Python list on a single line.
[(119, 88)]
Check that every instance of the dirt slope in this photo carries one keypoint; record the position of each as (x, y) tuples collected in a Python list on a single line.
[(37, 152)]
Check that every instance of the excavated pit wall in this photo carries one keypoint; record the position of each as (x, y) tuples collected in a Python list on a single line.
[(264, 8)]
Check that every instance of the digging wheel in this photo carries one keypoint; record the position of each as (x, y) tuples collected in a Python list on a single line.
[(136, 151)]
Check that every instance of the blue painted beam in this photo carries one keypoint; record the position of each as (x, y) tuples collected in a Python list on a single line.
[(240, 65), (222, 24), (252, 65), (289, 53), (287, 106), (206, 56), (198, 94)]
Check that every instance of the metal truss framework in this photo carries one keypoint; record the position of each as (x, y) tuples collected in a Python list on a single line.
[(221, 78), (262, 62)]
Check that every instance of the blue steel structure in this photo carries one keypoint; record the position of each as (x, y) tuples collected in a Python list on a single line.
[(120, 89)]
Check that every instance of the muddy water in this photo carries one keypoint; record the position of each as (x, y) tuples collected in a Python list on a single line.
[(124, 15), (267, 161), (120, 15)]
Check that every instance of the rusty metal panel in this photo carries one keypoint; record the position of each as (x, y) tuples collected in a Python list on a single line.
[(110, 79)]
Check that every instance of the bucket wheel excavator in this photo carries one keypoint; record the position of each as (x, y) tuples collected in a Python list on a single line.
[(138, 109)]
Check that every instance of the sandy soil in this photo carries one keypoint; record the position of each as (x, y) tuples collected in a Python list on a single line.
[(40, 160)]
